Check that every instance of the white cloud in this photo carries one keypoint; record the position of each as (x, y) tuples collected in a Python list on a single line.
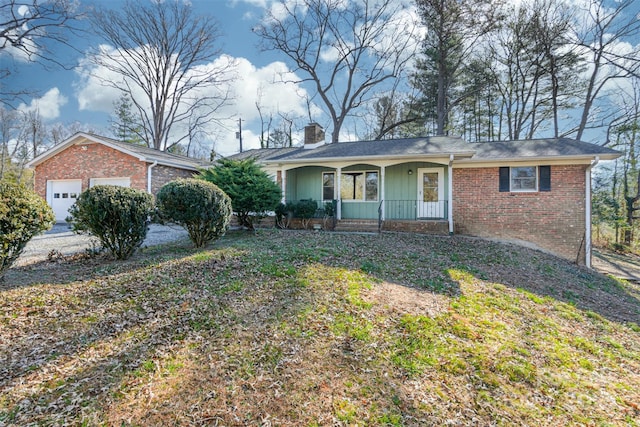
[(265, 85), (48, 106)]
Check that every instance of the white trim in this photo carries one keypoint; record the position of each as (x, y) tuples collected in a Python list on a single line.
[(587, 212), (344, 162), (450, 194), (322, 186), (284, 185), (82, 138), (541, 161), (339, 185), (149, 175), (382, 192), (92, 181), (524, 190), (419, 195)]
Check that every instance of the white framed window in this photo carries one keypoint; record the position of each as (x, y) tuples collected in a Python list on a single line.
[(359, 186), (328, 186), (522, 179)]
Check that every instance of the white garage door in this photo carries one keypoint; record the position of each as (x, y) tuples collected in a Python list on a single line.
[(61, 195), (122, 182)]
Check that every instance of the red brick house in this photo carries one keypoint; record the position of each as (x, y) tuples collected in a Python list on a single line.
[(85, 160), (536, 192)]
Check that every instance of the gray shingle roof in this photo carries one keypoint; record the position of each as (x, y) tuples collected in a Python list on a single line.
[(436, 147), (539, 148), (152, 154), (263, 153)]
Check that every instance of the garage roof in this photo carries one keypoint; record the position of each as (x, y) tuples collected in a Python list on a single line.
[(141, 152)]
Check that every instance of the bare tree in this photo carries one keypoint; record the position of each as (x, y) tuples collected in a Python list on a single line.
[(535, 70), (28, 29), (345, 49), (453, 30), (163, 55), (599, 38)]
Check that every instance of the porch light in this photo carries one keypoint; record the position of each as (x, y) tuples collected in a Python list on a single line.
[(410, 172)]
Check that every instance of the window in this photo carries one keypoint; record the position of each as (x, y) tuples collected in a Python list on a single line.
[(525, 178), (359, 186), (328, 185)]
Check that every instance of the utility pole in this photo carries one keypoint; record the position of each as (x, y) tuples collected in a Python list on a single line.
[(239, 133)]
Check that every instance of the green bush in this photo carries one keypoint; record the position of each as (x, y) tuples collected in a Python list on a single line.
[(305, 210), (117, 216), (23, 214), (283, 215), (202, 208), (253, 193)]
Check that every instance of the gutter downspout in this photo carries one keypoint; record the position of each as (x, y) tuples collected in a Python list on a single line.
[(450, 194), (151, 166), (587, 210)]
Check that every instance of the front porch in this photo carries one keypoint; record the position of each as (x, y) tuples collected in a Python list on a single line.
[(402, 215), (388, 194)]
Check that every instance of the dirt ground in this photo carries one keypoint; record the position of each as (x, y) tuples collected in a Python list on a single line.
[(624, 266)]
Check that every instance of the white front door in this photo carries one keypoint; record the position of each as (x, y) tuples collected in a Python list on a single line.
[(61, 194), (431, 193)]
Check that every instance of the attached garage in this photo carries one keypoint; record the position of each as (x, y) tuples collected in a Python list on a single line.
[(86, 160), (61, 194)]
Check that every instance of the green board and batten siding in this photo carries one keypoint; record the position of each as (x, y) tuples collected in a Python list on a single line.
[(306, 183)]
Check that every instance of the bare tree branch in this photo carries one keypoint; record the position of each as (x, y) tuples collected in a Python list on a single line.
[(28, 31), (346, 49), (164, 57)]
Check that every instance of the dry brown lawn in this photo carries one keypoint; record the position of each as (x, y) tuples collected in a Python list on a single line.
[(305, 328)]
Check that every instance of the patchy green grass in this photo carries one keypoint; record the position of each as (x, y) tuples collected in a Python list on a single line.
[(302, 328)]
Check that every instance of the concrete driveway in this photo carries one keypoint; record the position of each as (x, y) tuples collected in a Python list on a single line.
[(61, 239)]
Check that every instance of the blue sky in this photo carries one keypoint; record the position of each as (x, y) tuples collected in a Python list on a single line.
[(67, 96)]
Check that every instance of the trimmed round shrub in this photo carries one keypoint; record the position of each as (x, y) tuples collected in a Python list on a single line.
[(23, 214), (202, 208), (117, 216)]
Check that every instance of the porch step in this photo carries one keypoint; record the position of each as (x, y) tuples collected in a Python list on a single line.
[(357, 225)]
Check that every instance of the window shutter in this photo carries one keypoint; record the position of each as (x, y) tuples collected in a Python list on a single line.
[(504, 179), (545, 178)]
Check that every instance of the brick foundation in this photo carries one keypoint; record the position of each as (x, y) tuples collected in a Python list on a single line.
[(423, 227)]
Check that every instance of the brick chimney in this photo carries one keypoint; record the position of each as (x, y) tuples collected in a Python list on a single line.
[(313, 136)]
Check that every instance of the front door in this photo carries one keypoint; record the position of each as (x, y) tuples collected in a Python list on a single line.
[(430, 193)]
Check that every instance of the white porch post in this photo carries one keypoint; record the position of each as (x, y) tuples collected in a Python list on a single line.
[(284, 185), (338, 201), (450, 194), (587, 212), (382, 196)]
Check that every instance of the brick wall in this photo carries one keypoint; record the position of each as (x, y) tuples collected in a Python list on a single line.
[(96, 161), (160, 175), (100, 161), (427, 227), (554, 221)]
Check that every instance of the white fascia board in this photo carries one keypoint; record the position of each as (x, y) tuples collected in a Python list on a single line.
[(79, 139), (373, 160), (530, 161)]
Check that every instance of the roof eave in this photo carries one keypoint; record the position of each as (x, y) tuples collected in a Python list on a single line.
[(457, 155), (582, 157)]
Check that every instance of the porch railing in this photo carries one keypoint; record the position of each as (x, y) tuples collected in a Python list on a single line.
[(413, 210)]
